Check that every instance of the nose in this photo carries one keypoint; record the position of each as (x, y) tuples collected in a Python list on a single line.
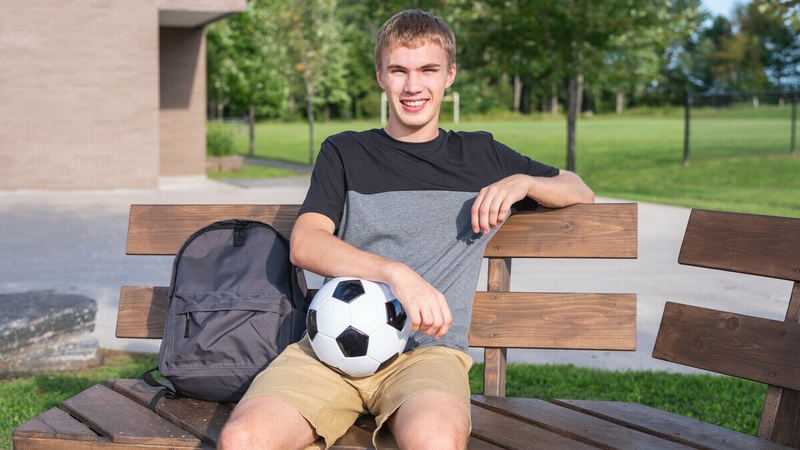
[(413, 83)]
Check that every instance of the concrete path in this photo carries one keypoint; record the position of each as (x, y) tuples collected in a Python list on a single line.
[(74, 243)]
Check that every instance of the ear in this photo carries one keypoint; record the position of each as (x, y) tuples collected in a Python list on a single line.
[(451, 76), (378, 76)]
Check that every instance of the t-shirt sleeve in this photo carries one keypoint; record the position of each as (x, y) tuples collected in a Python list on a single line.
[(326, 192), (513, 162)]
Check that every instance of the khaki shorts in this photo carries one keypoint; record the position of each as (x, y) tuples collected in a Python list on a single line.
[(332, 402)]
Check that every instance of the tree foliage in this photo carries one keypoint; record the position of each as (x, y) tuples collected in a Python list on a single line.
[(511, 55)]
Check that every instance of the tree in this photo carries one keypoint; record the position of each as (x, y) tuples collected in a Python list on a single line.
[(644, 57), (247, 63), (560, 41), (315, 48), (774, 31)]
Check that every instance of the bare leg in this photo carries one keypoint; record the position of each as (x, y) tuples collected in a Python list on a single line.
[(266, 423), (430, 420)]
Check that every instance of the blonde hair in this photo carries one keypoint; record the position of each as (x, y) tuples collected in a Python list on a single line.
[(413, 29)]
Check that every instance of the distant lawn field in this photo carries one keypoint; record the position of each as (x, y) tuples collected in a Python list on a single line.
[(737, 163)]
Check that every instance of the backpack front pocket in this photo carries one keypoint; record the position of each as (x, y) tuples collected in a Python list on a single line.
[(225, 329)]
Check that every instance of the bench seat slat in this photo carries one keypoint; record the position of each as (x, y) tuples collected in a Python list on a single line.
[(554, 321), (745, 243), (752, 348), (510, 433), (583, 428), (202, 419), (102, 444), (567, 422), (124, 421), (669, 426), (55, 424)]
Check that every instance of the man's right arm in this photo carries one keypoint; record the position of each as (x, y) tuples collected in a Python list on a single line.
[(314, 247)]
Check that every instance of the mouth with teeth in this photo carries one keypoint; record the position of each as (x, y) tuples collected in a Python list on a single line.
[(413, 103)]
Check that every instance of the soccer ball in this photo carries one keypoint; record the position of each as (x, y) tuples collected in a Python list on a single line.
[(357, 326)]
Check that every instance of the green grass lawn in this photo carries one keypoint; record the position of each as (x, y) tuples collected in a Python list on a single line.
[(728, 402), (737, 163)]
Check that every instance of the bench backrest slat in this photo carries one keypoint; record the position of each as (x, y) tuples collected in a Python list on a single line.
[(508, 319), (554, 321), (606, 230), (752, 348), (545, 233), (162, 229), (746, 243)]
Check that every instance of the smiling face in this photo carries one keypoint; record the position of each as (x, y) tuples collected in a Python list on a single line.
[(414, 80)]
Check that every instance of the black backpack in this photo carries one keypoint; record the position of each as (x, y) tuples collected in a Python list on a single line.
[(235, 302)]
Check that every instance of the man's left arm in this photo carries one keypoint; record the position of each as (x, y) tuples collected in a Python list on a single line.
[(493, 203)]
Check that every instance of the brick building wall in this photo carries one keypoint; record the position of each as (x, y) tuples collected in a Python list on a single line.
[(183, 101), (103, 94), (78, 94)]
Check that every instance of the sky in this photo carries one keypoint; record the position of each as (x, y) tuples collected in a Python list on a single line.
[(723, 7)]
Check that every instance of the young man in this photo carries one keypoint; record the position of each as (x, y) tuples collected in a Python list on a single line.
[(411, 206)]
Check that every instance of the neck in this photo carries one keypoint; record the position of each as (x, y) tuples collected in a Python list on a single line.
[(406, 134)]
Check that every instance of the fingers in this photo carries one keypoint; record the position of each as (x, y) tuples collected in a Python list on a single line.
[(435, 320), (430, 316), (490, 209)]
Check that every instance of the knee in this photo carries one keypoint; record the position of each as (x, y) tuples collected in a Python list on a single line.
[(237, 435), (446, 438)]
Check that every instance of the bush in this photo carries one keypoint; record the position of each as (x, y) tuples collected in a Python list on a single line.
[(219, 140)]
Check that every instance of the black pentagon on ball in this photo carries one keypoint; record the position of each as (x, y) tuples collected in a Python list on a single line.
[(396, 314), (353, 343), (348, 290), (311, 323)]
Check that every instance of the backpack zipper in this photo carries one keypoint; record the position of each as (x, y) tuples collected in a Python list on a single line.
[(186, 331)]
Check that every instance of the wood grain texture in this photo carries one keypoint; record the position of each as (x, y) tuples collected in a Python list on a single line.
[(494, 371), (747, 347), (55, 424), (21, 443), (202, 419), (509, 433), (596, 230), (123, 421), (162, 229), (668, 426), (601, 230), (554, 321), (780, 416), (571, 424), (746, 243), (142, 312), (510, 319)]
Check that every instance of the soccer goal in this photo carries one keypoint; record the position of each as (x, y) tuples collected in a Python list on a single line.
[(735, 123)]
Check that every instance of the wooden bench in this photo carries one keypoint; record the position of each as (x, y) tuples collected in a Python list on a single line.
[(116, 415), (757, 349)]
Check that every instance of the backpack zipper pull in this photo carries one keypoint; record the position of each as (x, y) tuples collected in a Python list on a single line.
[(186, 331), (239, 232)]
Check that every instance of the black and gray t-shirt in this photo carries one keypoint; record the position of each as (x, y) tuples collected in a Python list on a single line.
[(411, 202)]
